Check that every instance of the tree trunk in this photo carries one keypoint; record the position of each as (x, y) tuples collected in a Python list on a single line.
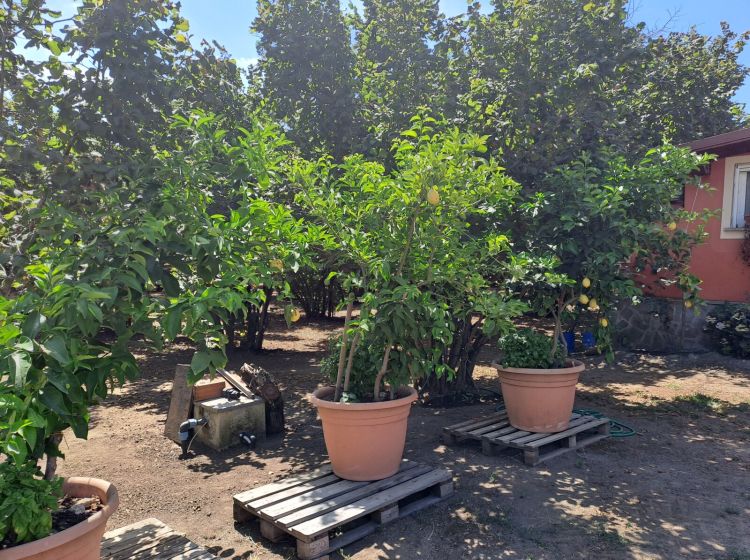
[(461, 357), (262, 383), (257, 322)]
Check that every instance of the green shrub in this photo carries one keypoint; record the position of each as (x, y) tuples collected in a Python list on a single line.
[(26, 502), (729, 329), (531, 349)]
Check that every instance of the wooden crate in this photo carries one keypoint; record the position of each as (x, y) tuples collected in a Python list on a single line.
[(151, 539), (495, 434), (325, 513)]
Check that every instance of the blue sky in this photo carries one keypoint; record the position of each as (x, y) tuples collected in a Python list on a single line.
[(228, 21)]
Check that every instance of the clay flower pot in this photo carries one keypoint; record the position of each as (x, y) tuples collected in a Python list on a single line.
[(80, 542), (365, 441), (540, 400)]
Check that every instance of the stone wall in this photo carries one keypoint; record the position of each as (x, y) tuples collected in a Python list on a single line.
[(661, 325)]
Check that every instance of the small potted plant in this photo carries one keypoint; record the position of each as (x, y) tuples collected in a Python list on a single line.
[(407, 236)]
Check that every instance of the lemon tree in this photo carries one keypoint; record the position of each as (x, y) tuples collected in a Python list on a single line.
[(425, 253), (600, 228)]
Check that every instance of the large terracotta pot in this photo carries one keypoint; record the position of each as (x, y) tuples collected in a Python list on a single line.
[(540, 400), (80, 542), (365, 441)]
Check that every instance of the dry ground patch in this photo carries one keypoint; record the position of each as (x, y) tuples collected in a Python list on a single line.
[(679, 489)]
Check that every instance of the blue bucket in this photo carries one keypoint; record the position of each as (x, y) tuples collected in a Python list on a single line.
[(588, 340), (570, 341)]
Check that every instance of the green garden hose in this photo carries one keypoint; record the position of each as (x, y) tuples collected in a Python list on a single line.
[(616, 429)]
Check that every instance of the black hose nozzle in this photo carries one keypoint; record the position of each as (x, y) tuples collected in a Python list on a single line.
[(248, 439), (184, 432)]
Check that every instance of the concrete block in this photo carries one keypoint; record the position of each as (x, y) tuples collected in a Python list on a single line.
[(226, 419)]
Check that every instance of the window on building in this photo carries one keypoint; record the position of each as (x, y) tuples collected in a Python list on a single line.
[(740, 196)]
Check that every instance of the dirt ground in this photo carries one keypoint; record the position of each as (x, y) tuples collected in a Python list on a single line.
[(680, 488)]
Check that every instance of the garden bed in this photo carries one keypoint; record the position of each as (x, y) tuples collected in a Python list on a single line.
[(678, 488)]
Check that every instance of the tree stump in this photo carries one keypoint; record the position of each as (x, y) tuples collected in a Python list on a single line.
[(262, 384)]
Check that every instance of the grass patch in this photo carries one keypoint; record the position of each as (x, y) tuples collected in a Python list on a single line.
[(705, 402)]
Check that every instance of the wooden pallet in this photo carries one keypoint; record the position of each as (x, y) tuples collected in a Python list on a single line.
[(325, 513), (496, 434), (151, 539)]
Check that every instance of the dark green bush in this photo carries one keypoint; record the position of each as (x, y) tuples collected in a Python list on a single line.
[(729, 329)]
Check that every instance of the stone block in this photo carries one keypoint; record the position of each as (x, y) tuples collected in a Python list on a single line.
[(226, 419)]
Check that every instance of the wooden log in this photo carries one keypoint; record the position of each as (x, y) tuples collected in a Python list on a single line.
[(262, 384)]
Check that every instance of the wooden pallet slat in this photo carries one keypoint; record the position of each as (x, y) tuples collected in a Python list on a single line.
[(265, 501), (462, 425), (580, 427), (327, 517), (314, 527), (250, 495), (336, 493), (535, 447), (318, 509), (153, 540)]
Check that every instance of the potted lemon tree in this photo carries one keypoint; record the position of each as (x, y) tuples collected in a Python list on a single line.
[(594, 231), (410, 239)]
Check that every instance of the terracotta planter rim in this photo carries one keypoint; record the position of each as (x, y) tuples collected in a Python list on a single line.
[(73, 486), (317, 400), (576, 366)]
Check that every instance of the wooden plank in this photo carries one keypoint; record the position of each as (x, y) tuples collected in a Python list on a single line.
[(140, 545), (504, 431), (318, 495), (542, 435), (462, 425), (236, 381), (488, 429), (324, 507), (277, 497), (506, 439), (593, 423), (477, 423), (135, 539), (179, 403), (283, 484), (150, 539), (319, 525)]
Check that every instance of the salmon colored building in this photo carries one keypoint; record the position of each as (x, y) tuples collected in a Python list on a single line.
[(718, 262)]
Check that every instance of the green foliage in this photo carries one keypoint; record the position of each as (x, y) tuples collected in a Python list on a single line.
[(306, 63), (419, 269), (527, 348), (729, 329), (605, 219), (397, 68), (26, 502)]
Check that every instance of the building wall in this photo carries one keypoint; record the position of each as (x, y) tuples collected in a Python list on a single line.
[(718, 261)]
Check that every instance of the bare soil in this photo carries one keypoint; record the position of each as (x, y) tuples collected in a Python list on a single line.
[(680, 488)]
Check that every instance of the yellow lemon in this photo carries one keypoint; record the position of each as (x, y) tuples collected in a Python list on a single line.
[(672, 226), (688, 304), (586, 282), (584, 299), (295, 315), (593, 305), (603, 322), (277, 264), (433, 197)]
